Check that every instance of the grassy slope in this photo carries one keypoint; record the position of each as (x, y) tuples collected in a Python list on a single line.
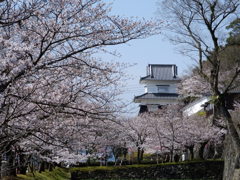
[(56, 174)]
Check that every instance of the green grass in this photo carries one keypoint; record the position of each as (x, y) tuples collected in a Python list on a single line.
[(108, 168), (56, 174)]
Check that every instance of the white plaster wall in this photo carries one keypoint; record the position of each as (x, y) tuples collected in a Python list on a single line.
[(192, 109), (158, 101), (155, 82), (152, 108), (145, 89), (152, 88)]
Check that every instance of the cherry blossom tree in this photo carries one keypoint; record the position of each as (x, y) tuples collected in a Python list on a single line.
[(166, 127), (64, 143), (137, 134), (17, 11), (50, 75), (193, 85), (172, 133), (197, 129), (200, 27)]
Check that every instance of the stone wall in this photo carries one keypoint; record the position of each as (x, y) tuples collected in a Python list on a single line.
[(193, 170)]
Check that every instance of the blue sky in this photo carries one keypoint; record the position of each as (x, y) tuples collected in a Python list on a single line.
[(153, 50)]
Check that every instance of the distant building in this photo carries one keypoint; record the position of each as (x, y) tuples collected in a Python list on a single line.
[(160, 87), (204, 103), (198, 105)]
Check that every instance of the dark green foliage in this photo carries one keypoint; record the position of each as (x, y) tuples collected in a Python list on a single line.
[(234, 35), (182, 170), (130, 170)]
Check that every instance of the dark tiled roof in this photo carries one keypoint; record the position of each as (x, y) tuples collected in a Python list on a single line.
[(161, 72), (157, 96)]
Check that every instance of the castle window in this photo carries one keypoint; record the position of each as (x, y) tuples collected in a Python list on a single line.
[(162, 88)]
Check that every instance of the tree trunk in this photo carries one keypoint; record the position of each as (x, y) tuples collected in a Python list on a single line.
[(232, 140), (201, 149), (171, 156), (210, 150), (231, 148), (8, 167), (41, 167), (50, 166), (230, 159), (125, 152), (141, 155), (23, 169), (138, 155), (22, 164), (1, 165), (191, 148)]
